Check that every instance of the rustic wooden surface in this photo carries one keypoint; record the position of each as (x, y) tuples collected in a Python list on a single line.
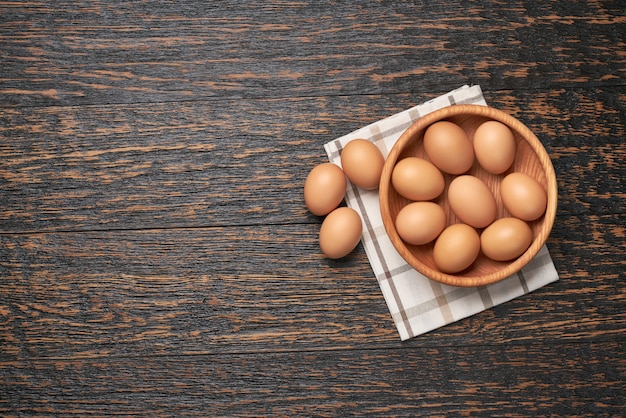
[(156, 257)]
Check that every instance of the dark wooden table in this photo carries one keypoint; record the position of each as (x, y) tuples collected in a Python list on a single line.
[(156, 256)]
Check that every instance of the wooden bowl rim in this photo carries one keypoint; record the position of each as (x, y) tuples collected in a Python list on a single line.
[(539, 150)]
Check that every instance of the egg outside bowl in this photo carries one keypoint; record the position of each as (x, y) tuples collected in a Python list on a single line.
[(531, 158)]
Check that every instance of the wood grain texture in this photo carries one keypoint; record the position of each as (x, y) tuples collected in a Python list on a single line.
[(258, 289), (156, 256), (198, 164), (148, 51), (535, 379)]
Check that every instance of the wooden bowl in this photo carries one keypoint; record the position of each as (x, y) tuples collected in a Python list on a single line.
[(531, 158)]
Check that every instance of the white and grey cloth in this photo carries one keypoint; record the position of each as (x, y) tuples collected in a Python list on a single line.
[(416, 303)]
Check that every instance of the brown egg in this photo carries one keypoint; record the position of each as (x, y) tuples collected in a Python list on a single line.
[(324, 188), (417, 179), (494, 146), (471, 200), (340, 232), (506, 239), (420, 222), (456, 248), (448, 147), (362, 162), (523, 196)]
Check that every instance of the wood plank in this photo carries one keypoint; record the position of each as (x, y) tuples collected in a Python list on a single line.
[(267, 288), (71, 54), (491, 380), (198, 164)]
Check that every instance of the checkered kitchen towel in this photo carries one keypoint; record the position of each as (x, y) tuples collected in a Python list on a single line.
[(416, 303)]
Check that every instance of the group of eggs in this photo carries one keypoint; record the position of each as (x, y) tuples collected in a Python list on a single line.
[(421, 181), (324, 189), (479, 229)]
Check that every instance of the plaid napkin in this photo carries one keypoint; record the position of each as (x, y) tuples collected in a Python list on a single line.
[(416, 303)]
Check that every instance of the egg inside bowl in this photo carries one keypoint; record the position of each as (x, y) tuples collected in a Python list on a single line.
[(531, 159)]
